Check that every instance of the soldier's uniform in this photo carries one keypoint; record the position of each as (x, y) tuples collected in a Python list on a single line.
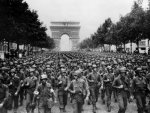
[(108, 79), (31, 83), (22, 89), (93, 87), (130, 75), (148, 92), (4, 92), (77, 87), (102, 82), (139, 87), (121, 84), (62, 94), (14, 87), (116, 74), (46, 96)]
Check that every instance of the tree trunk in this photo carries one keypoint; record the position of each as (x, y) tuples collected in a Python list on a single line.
[(8, 47), (137, 43), (17, 47), (148, 43), (28, 49), (116, 47), (124, 46), (131, 46), (109, 47), (24, 47)]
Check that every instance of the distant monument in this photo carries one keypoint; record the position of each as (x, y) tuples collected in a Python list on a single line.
[(71, 29)]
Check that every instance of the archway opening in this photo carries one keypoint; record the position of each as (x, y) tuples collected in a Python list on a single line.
[(65, 43)]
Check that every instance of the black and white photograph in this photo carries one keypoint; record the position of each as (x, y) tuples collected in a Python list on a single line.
[(74, 56)]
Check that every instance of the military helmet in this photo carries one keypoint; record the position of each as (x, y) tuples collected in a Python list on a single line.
[(12, 70), (1, 77), (94, 65), (129, 64), (148, 76), (103, 63), (77, 72), (123, 69), (48, 69), (43, 76), (139, 69), (109, 67), (63, 70), (34, 66), (31, 69)]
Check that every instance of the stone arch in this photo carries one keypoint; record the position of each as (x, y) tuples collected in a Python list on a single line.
[(64, 33), (70, 28), (65, 38)]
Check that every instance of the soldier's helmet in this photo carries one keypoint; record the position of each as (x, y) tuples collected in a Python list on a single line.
[(77, 72), (63, 70), (12, 70), (123, 69), (115, 63), (48, 69), (34, 66), (1, 77), (43, 76), (148, 76), (89, 64), (109, 67), (94, 65), (31, 70), (103, 63), (129, 64), (139, 69)]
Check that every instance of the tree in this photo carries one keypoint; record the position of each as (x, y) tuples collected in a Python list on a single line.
[(87, 43), (137, 26), (21, 25), (132, 27)]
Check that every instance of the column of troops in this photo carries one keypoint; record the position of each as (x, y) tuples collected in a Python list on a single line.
[(43, 80)]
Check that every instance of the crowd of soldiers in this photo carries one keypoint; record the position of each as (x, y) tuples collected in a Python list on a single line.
[(78, 77)]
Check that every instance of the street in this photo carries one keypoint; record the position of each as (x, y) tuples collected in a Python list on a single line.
[(88, 108)]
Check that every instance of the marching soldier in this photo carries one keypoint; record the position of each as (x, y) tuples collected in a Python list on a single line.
[(139, 87), (121, 84), (4, 94), (78, 87), (108, 79), (31, 84), (46, 95), (102, 88), (14, 88), (93, 87), (62, 94), (21, 91), (148, 92)]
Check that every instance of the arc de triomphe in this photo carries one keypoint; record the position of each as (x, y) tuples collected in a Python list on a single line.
[(72, 29)]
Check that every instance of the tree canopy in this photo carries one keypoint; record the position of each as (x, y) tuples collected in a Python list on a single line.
[(132, 27), (20, 25)]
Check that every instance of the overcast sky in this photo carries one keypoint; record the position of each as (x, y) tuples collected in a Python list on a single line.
[(90, 13)]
